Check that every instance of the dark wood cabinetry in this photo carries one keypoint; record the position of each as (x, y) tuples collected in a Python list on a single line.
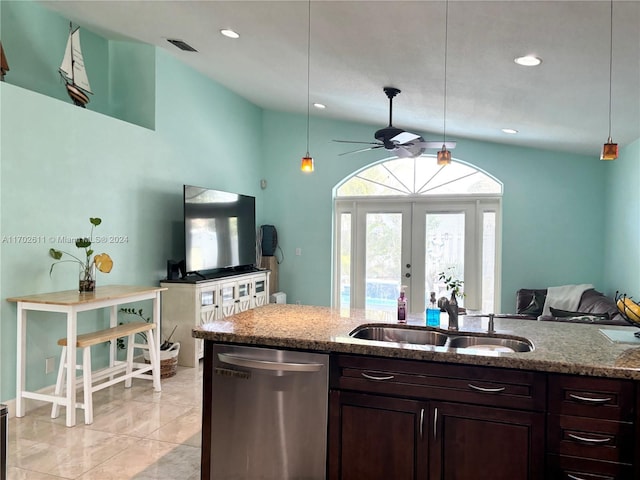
[(591, 428), (374, 437), (437, 421), (482, 442)]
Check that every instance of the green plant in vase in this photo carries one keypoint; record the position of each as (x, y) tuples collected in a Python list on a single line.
[(450, 306), (87, 262)]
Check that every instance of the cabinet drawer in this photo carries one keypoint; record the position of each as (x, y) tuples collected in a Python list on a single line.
[(571, 468), (591, 438), (436, 381), (592, 397)]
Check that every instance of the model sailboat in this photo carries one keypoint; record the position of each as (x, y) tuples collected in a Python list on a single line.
[(4, 66), (72, 70)]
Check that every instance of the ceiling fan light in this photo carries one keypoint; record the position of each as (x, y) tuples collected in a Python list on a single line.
[(444, 156), (609, 150), (307, 164)]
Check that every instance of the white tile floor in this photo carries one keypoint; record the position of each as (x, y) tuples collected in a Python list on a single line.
[(136, 434)]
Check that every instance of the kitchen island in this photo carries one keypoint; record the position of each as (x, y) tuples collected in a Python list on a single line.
[(568, 408)]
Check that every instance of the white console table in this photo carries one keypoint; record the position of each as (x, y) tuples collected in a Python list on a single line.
[(71, 302), (186, 305)]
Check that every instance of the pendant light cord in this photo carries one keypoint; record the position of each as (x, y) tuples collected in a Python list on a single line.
[(446, 42), (610, 65), (308, 70)]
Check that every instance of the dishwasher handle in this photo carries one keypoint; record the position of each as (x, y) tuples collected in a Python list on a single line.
[(241, 361)]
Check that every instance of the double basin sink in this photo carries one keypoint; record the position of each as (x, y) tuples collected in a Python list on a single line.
[(441, 338)]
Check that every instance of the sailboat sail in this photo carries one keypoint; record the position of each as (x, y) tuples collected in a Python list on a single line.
[(72, 67)]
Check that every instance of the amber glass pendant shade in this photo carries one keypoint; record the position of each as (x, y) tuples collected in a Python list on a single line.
[(609, 150), (444, 156), (307, 164)]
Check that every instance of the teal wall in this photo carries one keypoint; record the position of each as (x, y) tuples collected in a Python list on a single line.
[(60, 164), (121, 74), (622, 226), (553, 207)]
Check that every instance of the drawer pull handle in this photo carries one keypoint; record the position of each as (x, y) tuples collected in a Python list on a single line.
[(421, 423), (573, 477), (372, 377), (486, 390), (589, 440), (589, 400)]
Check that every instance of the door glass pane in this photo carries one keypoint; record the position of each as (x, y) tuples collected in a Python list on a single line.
[(383, 260), (345, 260), (488, 260), (444, 249)]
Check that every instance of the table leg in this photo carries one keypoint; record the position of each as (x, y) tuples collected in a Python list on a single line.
[(20, 361), (156, 320), (72, 338), (113, 322)]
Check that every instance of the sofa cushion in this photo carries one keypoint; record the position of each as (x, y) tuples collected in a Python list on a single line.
[(530, 301), (556, 312)]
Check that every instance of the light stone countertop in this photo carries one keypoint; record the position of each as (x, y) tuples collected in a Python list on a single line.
[(580, 349)]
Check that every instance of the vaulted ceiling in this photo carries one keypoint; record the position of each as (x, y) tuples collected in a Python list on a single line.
[(358, 47)]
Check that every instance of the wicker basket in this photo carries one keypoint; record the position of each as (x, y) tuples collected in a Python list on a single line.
[(168, 360)]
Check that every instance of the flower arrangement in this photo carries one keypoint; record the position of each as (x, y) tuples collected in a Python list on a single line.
[(101, 261)]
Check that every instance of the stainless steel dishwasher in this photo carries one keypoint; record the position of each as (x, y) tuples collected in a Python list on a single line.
[(269, 416)]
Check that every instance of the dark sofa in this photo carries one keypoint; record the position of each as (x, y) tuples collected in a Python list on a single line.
[(594, 307)]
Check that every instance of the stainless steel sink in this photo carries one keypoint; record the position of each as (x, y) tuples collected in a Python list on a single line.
[(400, 335), (498, 344), (439, 338)]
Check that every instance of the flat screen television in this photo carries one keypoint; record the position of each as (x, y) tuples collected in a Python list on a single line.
[(219, 231)]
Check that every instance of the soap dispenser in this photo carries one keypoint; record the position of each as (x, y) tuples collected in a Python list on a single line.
[(402, 306), (433, 312)]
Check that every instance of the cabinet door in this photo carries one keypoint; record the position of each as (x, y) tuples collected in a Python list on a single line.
[(469, 441), (259, 291), (244, 295), (228, 298), (373, 437)]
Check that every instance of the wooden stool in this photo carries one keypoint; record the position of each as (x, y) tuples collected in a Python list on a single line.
[(130, 369)]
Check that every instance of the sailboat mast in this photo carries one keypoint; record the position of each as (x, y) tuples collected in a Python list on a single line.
[(73, 82)]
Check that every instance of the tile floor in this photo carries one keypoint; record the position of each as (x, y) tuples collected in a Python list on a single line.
[(136, 434)]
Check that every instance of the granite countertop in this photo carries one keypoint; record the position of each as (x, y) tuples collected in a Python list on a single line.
[(580, 349)]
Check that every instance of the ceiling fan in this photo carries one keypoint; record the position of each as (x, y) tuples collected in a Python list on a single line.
[(396, 140)]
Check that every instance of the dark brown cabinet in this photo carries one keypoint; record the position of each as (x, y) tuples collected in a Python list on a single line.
[(591, 428), (376, 438), (403, 419), (470, 441)]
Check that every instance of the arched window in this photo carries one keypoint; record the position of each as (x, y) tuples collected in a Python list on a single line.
[(404, 221)]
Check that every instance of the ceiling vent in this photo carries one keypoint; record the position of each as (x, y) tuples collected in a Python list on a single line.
[(182, 45)]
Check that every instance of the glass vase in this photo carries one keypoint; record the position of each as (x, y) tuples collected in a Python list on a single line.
[(87, 279)]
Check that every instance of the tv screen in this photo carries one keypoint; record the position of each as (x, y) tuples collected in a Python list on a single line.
[(219, 229)]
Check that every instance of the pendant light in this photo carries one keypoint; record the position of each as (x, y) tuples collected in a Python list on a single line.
[(307, 161), (610, 149), (444, 155)]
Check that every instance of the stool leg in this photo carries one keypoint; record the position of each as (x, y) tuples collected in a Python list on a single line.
[(55, 408), (130, 342), (87, 381), (155, 361)]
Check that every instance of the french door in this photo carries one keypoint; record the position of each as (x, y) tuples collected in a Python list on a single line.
[(383, 245)]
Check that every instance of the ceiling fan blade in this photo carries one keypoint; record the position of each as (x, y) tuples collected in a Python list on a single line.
[(360, 150), (351, 141), (405, 137), (437, 144)]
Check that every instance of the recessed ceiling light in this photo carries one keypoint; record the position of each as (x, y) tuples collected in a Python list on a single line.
[(320, 106), (528, 61), (510, 130), (229, 33)]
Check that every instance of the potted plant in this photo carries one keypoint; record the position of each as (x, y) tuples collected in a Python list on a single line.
[(450, 306), (88, 264)]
